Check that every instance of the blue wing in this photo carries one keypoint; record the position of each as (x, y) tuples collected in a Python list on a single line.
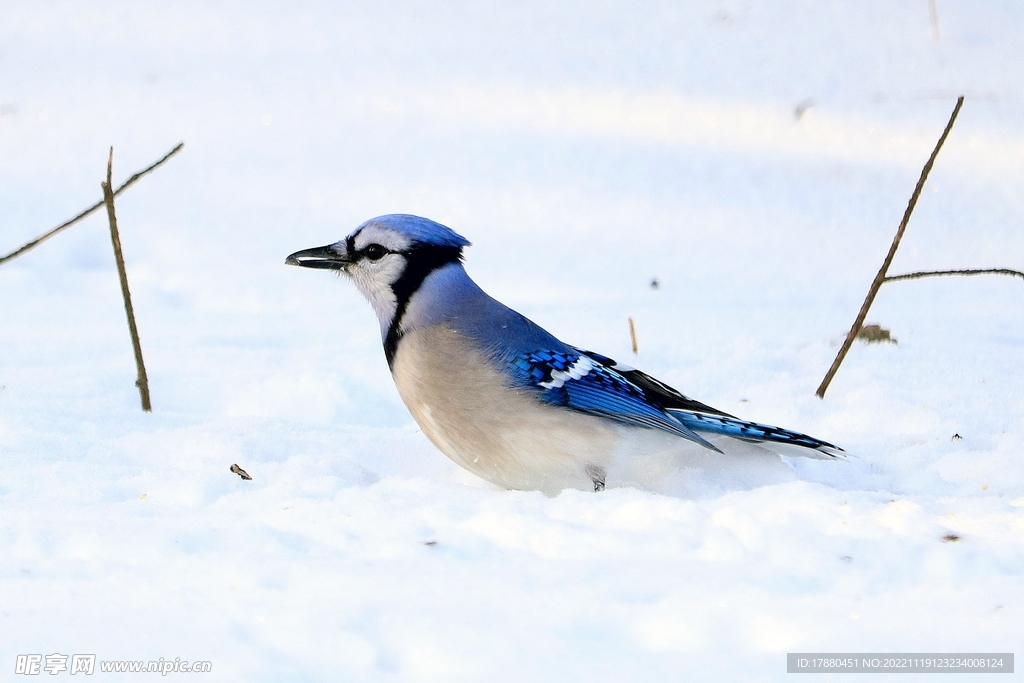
[(582, 381), (591, 383), (703, 418)]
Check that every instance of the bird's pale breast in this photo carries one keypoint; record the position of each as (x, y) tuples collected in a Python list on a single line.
[(503, 434)]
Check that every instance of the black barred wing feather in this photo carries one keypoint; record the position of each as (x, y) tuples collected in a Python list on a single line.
[(657, 391), (577, 380), (703, 418), (592, 383)]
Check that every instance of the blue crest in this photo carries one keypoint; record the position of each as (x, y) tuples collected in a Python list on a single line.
[(422, 231)]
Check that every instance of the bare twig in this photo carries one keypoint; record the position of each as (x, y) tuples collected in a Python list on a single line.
[(880, 277), (43, 238), (68, 224), (970, 271), (632, 336), (108, 197)]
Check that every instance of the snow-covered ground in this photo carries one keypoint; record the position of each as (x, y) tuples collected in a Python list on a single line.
[(585, 148)]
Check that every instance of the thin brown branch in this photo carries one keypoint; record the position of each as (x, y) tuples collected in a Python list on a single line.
[(135, 176), (880, 277), (632, 335), (48, 235), (42, 238), (108, 198), (970, 271)]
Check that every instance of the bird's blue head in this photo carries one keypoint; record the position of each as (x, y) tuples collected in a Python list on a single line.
[(388, 258), (374, 240)]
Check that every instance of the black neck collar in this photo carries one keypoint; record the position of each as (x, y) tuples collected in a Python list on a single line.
[(420, 263)]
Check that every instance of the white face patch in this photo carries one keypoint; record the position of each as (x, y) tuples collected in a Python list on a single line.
[(374, 279)]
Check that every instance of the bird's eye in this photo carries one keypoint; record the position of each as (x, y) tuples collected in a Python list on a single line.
[(375, 252)]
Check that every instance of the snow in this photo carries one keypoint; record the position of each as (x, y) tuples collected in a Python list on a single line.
[(584, 148)]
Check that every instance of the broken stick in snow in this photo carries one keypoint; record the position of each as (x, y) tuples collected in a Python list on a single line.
[(880, 277), (108, 198)]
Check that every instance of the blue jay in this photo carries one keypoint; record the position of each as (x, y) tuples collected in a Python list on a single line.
[(505, 399)]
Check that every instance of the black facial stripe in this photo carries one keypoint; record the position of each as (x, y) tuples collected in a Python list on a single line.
[(420, 262), (358, 254), (384, 251)]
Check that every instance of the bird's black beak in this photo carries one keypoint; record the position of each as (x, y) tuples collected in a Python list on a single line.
[(320, 257)]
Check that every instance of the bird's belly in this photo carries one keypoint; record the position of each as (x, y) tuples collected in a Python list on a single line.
[(503, 434)]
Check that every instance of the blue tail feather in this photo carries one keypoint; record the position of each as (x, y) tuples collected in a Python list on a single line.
[(752, 431)]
